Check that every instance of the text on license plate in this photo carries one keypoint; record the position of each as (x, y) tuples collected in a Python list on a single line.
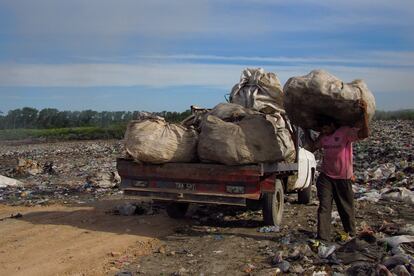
[(185, 186)]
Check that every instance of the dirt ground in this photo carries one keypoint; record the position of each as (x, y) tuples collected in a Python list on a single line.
[(75, 240), (89, 239)]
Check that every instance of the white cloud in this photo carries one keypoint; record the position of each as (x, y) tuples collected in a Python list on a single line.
[(186, 17), (167, 75), (382, 58)]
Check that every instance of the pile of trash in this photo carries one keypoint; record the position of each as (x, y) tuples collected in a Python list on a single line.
[(384, 163), (251, 128), (33, 174)]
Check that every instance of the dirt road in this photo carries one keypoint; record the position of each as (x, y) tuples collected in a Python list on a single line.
[(75, 240)]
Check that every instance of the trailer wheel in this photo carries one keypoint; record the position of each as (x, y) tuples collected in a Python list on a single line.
[(177, 210), (273, 205), (305, 195)]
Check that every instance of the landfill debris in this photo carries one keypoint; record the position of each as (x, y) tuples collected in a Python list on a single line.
[(124, 273), (27, 166), (59, 174), (126, 209), (401, 194), (396, 260), (104, 179), (284, 266), (357, 250), (382, 271), (269, 229), (12, 216), (320, 273), (407, 229), (9, 182), (49, 168), (325, 251), (401, 270), (395, 241)]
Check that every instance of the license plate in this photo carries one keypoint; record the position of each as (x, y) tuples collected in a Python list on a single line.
[(185, 186)]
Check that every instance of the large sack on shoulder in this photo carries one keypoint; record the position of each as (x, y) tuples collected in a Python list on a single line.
[(258, 90), (248, 141), (156, 141), (311, 99)]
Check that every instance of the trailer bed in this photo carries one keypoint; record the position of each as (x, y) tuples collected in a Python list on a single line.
[(200, 182)]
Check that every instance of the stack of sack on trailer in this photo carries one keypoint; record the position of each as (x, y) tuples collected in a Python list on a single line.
[(251, 128), (312, 100), (153, 140)]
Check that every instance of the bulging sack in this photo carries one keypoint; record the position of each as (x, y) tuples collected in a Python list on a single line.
[(156, 141), (283, 137), (259, 91), (230, 112), (312, 99), (251, 140)]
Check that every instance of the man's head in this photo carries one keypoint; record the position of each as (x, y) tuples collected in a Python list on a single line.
[(328, 125), (328, 129)]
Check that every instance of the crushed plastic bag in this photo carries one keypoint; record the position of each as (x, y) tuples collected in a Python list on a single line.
[(399, 194), (9, 182)]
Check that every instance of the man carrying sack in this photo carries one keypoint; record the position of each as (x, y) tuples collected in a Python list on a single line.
[(335, 180)]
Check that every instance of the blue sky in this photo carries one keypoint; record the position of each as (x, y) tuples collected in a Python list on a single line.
[(166, 55)]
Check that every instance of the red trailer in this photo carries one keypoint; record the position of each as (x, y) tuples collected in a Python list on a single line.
[(179, 184)]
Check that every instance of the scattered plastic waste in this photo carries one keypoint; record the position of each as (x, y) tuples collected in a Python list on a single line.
[(269, 229)]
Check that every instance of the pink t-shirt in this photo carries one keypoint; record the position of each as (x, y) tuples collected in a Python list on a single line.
[(337, 153)]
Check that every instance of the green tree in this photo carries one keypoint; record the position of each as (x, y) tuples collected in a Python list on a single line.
[(47, 118), (28, 117)]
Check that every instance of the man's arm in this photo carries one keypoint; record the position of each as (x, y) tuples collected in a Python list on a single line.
[(363, 124)]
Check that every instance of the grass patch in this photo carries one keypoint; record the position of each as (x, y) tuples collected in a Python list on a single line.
[(406, 114), (76, 133)]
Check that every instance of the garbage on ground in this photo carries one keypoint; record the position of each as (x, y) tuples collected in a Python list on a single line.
[(9, 182), (325, 251), (127, 209), (395, 241), (104, 179), (269, 229), (312, 99), (357, 250), (399, 194), (27, 166), (130, 209), (401, 270)]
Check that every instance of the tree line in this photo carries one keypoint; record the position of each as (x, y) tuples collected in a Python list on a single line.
[(47, 118)]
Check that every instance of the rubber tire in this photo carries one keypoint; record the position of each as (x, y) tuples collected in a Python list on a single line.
[(177, 210), (305, 195), (273, 205)]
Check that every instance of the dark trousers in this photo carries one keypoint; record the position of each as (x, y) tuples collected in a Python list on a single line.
[(340, 190)]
